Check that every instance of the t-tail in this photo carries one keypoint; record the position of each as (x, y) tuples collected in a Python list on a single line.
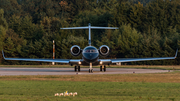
[(90, 27)]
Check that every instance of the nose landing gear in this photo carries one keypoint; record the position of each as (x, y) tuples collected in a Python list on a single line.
[(90, 70)]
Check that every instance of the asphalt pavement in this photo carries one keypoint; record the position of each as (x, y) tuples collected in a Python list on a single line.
[(70, 71)]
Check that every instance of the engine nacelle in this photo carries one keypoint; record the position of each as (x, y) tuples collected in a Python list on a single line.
[(104, 50), (75, 50)]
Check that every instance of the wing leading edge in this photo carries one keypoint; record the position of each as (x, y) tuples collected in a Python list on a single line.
[(136, 59), (74, 61)]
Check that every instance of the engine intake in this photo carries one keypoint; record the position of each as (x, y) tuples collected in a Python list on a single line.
[(104, 50), (75, 50)]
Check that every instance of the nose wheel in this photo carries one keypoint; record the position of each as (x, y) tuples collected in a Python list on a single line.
[(90, 70)]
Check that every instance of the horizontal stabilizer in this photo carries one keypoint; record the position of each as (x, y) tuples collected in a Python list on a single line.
[(75, 28), (91, 27)]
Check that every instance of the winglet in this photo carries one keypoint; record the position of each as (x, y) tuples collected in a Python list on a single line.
[(3, 54), (176, 53)]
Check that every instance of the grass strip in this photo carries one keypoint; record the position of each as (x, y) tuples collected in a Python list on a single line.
[(157, 77), (98, 91)]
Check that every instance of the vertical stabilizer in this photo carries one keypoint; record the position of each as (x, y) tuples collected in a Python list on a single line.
[(89, 34)]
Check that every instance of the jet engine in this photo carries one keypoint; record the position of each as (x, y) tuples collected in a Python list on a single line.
[(104, 50), (75, 50)]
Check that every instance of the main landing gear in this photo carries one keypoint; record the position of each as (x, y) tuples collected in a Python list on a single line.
[(103, 68), (77, 68)]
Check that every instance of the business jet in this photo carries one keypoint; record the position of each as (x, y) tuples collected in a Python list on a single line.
[(90, 54)]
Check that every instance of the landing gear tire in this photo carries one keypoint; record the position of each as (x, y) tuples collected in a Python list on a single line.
[(101, 68), (75, 68), (79, 69), (104, 68), (91, 71)]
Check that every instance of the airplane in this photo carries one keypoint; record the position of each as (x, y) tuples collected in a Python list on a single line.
[(90, 54)]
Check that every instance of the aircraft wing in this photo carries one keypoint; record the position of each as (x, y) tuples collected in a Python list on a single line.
[(73, 61), (135, 59)]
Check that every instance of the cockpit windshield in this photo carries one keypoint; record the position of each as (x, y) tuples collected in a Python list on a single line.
[(90, 51)]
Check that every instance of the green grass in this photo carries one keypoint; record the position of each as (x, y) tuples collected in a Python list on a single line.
[(124, 87), (30, 90)]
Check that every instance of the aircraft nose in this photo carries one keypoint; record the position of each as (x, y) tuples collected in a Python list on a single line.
[(90, 56)]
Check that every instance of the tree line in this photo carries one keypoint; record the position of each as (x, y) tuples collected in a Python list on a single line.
[(147, 28)]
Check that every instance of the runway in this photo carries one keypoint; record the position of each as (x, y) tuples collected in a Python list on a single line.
[(70, 71)]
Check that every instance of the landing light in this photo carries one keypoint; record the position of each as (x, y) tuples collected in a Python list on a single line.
[(79, 62), (101, 62)]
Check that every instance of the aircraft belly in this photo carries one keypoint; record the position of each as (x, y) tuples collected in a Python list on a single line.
[(87, 64), (87, 60)]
